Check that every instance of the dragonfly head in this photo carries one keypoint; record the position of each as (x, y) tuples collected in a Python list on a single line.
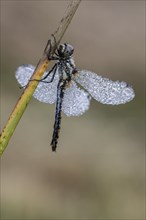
[(65, 50)]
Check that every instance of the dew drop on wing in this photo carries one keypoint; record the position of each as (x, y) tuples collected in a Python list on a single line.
[(45, 92), (24, 73), (76, 101), (105, 90)]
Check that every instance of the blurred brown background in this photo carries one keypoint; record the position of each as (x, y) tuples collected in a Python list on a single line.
[(98, 170)]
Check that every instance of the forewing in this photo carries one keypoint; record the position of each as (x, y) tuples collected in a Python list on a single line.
[(76, 101), (105, 90), (45, 92)]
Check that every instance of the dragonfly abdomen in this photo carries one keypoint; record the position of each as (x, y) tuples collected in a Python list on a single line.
[(57, 124)]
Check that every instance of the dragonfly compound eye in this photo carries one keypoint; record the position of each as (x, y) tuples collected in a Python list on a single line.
[(65, 50)]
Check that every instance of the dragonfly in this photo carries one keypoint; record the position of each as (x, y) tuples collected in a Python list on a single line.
[(72, 89)]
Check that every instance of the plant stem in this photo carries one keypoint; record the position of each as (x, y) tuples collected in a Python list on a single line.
[(40, 69)]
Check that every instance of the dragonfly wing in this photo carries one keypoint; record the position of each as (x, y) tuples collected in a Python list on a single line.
[(105, 90), (76, 101), (45, 92), (24, 73)]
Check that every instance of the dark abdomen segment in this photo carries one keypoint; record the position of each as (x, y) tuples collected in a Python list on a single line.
[(57, 124)]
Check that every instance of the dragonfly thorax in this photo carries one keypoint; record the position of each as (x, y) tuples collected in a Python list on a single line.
[(66, 68), (65, 51)]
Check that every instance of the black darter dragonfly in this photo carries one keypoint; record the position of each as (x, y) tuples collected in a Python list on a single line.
[(72, 89)]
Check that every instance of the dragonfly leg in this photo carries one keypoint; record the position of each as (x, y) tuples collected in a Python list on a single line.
[(48, 53), (54, 68)]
